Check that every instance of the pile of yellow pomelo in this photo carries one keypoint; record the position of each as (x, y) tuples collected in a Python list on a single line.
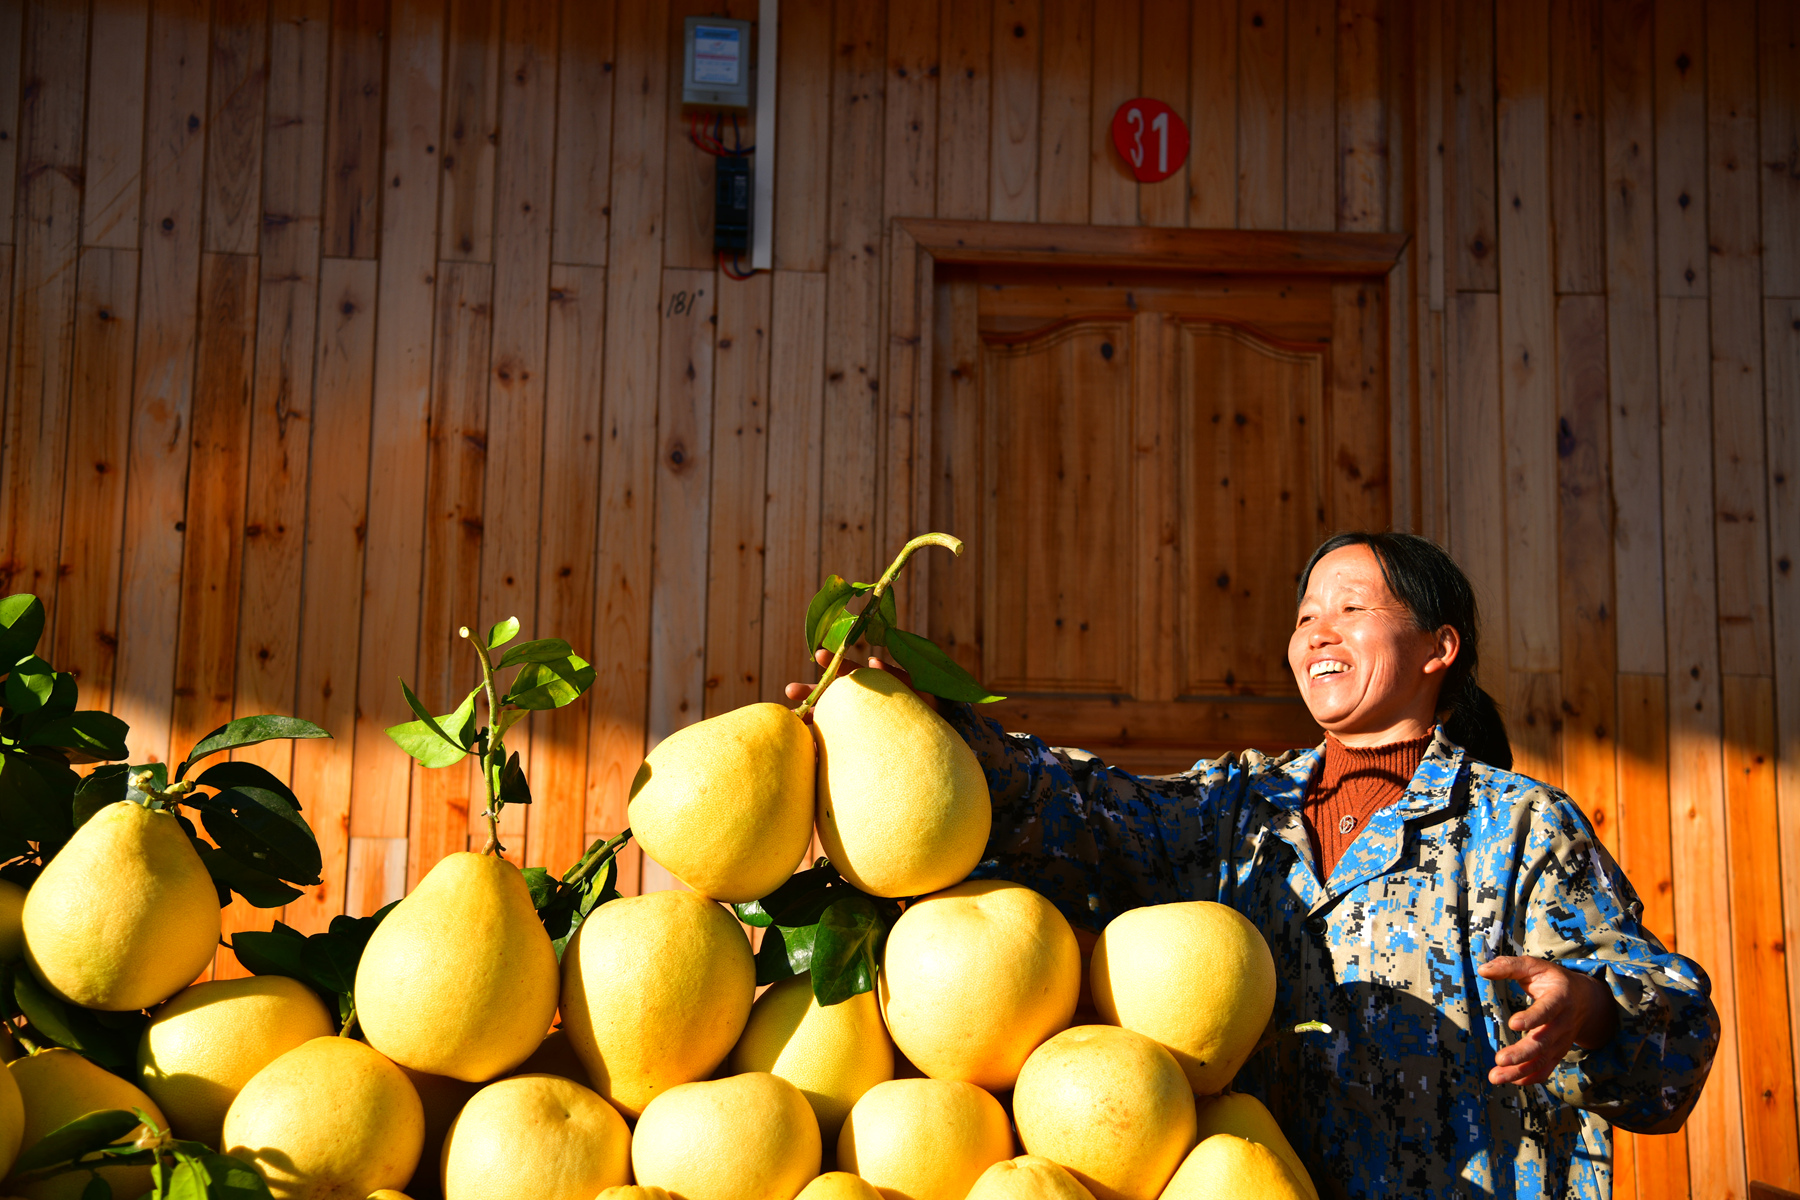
[(667, 1077)]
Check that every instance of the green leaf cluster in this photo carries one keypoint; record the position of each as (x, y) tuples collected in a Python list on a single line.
[(563, 904), (830, 626), (180, 1170), (819, 922), (325, 962)]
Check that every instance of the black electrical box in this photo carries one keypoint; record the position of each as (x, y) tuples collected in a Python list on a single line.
[(731, 220)]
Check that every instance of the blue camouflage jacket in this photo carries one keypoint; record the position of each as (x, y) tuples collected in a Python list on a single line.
[(1472, 862)]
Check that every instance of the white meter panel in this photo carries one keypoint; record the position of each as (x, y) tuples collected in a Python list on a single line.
[(717, 63)]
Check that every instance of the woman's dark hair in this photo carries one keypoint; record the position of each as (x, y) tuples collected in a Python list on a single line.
[(1427, 580)]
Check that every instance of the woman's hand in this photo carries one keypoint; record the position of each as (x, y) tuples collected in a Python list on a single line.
[(797, 691), (1568, 1009)]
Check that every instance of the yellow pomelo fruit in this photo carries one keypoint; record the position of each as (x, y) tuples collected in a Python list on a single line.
[(1224, 1167), (632, 1191), (656, 990), (556, 1055), (207, 1040), (727, 804), (460, 978), (328, 1119), (442, 1098), (12, 1121), (839, 1185), (12, 912), (1028, 1177), (1110, 1105), (924, 1139), (125, 915), (975, 977), (1197, 976), (832, 1054), (745, 1137), (535, 1137), (1244, 1116), (57, 1086), (388, 1194), (903, 805)]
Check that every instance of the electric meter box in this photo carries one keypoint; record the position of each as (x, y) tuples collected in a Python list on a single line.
[(717, 63)]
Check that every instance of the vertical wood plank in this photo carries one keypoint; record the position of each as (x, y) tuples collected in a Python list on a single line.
[(1261, 114), (471, 130), (964, 102), (803, 124), (555, 833), (1316, 153), (628, 454), (1433, 78), (1680, 82), (1012, 189), (1765, 1053), (1660, 1163), (1469, 184), (905, 421), (1527, 318), (1734, 254), (1065, 132), (1781, 414), (1473, 441), (853, 306), (796, 439), (115, 116), (1534, 722), (1212, 119), (1576, 188), (84, 640), (1155, 471), (1362, 147), (1589, 651), (1778, 48), (376, 876), (163, 374), (583, 135), (909, 180), (1112, 192), (1164, 75), (689, 189), (281, 400), (35, 437), (449, 800), (740, 447), (353, 142), (234, 138), (404, 311), (1697, 803), (332, 588), (1631, 333), (1360, 482), (12, 24)]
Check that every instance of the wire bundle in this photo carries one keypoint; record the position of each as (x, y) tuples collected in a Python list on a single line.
[(709, 136)]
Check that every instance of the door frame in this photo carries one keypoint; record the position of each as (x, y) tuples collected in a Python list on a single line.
[(917, 245)]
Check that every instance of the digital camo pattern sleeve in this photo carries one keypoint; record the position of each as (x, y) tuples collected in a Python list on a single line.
[(1578, 909), (1094, 839)]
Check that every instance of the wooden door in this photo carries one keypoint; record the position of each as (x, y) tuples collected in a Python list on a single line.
[(1141, 464)]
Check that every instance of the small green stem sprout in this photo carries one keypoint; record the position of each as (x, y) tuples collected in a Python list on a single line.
[(495, 748)]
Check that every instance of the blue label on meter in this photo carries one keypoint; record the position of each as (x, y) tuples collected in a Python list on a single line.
[(717, 54)]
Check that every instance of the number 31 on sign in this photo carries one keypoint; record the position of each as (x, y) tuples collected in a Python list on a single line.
[(1151, 138)]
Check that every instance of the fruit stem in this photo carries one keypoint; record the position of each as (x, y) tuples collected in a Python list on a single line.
[(596, 856), (1312, 1027), (952, 544), (349, 1020), (495, 747)]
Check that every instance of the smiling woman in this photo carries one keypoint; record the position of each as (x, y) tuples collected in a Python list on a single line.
[(1497, 1006)]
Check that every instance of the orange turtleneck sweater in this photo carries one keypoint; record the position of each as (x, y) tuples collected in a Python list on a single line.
[(1353, 785)]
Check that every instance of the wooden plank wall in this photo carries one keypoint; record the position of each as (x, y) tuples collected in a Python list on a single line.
[(332, 325)]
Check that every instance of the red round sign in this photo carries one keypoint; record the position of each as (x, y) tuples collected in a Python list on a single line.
[(1151, 138)]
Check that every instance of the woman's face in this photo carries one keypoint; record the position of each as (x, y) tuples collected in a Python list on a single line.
[(1368, 673)]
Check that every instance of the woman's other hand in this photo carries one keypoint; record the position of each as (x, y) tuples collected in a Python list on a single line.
[(797, 691), (1568, 1009)]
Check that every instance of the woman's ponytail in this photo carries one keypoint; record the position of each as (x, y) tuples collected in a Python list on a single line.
[(1437, 593)]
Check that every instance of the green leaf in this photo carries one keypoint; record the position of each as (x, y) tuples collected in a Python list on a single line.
[(21, 625), (108, 1039), (100, 787), (845, 949), (799, 901), (540, 686), (35, 795), (542, 885), (784, 952), (544, 650), (885, 608), (934, 671), (331, 962), (187, 1181), (232, 1179), (30, 685), (159, 781), (839, 633), (84, 1135), (823, 608), (502, 633), (246, 774), (513, 787), (261, 830), (248, 731), (260, 888), (437, 741), (96, 1189), (279, 951), (90, 736)]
